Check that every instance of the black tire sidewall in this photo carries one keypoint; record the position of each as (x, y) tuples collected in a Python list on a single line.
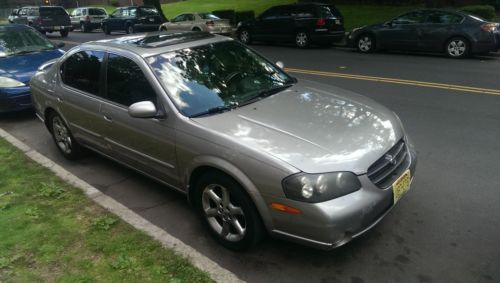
[(254, 227), (308, 39), (467, 47), (75, 147), (372, 46), (249, 39)]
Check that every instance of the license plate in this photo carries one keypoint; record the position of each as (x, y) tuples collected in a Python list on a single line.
[(401, 186), (337, 22)]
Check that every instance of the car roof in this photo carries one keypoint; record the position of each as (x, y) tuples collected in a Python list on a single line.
[(154, 43)]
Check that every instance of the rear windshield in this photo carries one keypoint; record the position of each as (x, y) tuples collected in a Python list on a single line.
[(208, 16), (148, 11), (52, 11), (329, 11), (97, 12)]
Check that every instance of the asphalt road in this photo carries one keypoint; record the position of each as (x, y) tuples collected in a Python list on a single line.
[(446, 229)]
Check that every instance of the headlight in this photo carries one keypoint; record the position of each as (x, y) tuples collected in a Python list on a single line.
[(320, 187), (8, 82)]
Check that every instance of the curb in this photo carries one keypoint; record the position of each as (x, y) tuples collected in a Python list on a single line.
[(216, 272)]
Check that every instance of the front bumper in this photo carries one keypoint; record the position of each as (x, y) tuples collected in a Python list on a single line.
[(333, 223), (15, 99)]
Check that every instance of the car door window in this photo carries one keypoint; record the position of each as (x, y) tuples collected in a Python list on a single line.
[(179, 18), (77, 13), (84, 12), (417, 17), (132, 12), (270, 14), (438, 17), (304, 11), (117, 13), (23, 12), (82, 71), (126, 83), (189, 17)]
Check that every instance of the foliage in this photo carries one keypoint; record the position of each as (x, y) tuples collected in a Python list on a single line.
[(484, 11)]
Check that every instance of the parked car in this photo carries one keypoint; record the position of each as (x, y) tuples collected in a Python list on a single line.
[(253, 148), (45, 19), (457, 34), (198, 22), (12, 16), (302, 24), (22, 51), (88, 18), (132, 19)]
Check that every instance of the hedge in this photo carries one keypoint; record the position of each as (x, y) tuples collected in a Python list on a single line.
[(484, 11)]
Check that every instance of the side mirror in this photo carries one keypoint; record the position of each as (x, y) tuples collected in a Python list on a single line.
[(280, 64), (143, 109), (388, 24), (60, 44)]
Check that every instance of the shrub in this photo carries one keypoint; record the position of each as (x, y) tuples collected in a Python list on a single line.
[(484, 11), (244, 16), (226, 14)]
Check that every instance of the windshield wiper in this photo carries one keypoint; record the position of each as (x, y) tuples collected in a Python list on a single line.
[(214, 110), (266, 93)]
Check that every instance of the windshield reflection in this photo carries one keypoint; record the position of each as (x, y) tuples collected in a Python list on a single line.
[(21, 41)]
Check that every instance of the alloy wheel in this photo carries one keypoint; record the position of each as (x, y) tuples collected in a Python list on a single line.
[(457, 48), (62, 136), (244, 36), (365, 44), (301, 39), (224, 216)]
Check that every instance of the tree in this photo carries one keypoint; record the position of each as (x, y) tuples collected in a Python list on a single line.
[(157, 5)]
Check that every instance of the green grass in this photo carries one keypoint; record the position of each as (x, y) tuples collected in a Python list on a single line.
[(49, 231)]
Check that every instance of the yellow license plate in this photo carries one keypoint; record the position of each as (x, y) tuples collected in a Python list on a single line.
[(401, 186)]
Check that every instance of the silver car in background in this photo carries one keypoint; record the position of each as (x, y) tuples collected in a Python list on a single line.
[(198, 22), (255, 150), (87, 18)]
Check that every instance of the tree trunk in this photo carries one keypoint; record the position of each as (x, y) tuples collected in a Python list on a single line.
[(157, 5)]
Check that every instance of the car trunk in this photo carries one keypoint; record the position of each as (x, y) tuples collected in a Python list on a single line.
[(54, 16)]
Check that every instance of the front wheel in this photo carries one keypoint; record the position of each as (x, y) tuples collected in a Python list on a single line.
[(63, 138), (366, 43), (457, 47), (245, 37), (302, 39), (130, 29), (228, 212)]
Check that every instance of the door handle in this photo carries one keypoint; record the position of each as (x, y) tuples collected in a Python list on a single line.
[(108, 118)]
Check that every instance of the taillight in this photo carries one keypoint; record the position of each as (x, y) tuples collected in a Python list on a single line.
[(210, 23), (320, 22), (489, 27)]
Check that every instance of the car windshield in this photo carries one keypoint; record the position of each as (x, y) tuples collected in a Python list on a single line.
[(22, 41), (216, 77), (208, 16)]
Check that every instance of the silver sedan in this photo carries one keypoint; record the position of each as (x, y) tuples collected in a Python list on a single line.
[(198, 22), (255, 150)]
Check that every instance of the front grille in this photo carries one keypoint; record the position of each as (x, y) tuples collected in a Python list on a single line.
[(389, 167)]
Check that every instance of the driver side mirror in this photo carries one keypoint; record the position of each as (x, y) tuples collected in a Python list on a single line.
[(280, 64), (143, 109)]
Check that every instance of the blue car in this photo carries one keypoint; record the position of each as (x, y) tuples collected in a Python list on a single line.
[(22, 51)]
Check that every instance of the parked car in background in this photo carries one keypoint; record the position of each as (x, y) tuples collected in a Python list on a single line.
[(302, 24), (12, 16), (132, 19), (198, 22), (454, 33), (45, 19), (22, 51), (88, 18), (254, 149)]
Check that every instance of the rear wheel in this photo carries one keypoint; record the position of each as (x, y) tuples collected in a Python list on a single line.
[(64, 33), (457, 47), (365, 43), (245, 37), (228, 212), (130, 29), (63, 138), (302, 39)]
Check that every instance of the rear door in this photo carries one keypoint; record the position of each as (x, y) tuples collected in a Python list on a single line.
[(438, 27), (265, 23), (146, 144), (80, 96), (54, 16), (402, 32)]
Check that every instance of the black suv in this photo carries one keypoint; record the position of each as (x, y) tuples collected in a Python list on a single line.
[(302, 24), (132, 19), (45, 19)]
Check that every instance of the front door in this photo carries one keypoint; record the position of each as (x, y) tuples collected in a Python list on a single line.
[(402, 32)]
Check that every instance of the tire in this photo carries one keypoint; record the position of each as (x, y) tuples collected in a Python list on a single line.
[(196, 29), (64, 33), (227, 211), (106, 29), (365, 43), (163, 29), (457, 47), (245, 37), (302, 39), (63, 138), (129, 29)]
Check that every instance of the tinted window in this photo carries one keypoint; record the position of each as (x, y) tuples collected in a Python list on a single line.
[(411, 18), (52, 11), (97, 12), (443, 18), (82, 71), (126, 82), (189, 17), (271, 13), (304, 11), (207, 16)]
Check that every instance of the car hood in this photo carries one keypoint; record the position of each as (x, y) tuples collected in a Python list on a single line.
[(23, 67), (313, 127)]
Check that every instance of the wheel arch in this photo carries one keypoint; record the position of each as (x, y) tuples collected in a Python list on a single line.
[(46, 114), (464, 36), (207, 164)]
